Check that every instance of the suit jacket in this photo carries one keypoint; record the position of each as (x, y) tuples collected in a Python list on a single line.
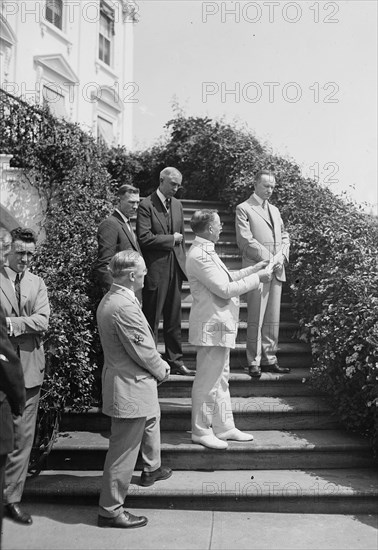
[(214, 314), (29, 324), (260, 234), (132, 365), (12, 388), (113, 235), (156, 240)]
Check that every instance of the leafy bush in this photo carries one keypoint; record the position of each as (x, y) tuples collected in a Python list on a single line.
[(65, 165)]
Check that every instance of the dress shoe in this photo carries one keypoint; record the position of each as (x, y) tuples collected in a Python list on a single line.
[(14, 511), (149, 478), (123, 521), (182, 369), (275, 368), (210, 441), (254, 371), (235, 435)]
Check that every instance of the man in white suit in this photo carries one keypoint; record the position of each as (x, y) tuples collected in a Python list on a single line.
[(132, 370), (260, 236), (213, 325)]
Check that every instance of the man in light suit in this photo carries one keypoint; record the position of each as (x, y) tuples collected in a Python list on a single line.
[(12, 384), (160, 230), (213, 324), (115, 233), (260, 236), (132, 370), (24, 300)]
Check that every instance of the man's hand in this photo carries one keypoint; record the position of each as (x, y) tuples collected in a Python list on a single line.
[(259, 266), (167, 373), (265, 275), (178, 237)]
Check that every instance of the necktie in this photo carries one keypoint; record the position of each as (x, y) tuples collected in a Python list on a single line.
[(167, 204), (131, 230), (17, 289), (265, 205)]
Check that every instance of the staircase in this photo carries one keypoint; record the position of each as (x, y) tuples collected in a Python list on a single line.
[(300, 461)]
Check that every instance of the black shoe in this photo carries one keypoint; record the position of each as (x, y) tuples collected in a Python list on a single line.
[(254, 371), (149, 478), (14, 511), (183, 370), (123, 521), (275, 368)]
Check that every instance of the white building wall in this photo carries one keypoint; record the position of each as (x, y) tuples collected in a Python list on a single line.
[(68, 59)]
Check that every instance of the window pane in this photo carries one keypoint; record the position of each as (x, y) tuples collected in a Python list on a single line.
[(54, 11), (55, 101), (105, 130)]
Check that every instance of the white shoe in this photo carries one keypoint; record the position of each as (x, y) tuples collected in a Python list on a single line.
[(235, 435), (209, 441)]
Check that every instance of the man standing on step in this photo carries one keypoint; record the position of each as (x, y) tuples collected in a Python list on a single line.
[(261, 235), (115, 233), (132, 370), (12, 384), (24, 300), (213, 325), (160, 230)]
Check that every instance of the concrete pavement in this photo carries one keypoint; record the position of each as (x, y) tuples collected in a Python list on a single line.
[(73, 526)]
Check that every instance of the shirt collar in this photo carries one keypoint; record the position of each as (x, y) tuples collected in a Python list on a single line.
[(12, 274), (207, 245), (127, 290), (258, 199), (162, 197), (122, 215)]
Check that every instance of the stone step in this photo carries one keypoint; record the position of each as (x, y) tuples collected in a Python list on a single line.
[(287, 333), (295, 383), (285, 316), (289, 354), (311, 491), (250, 413), (270, 449)]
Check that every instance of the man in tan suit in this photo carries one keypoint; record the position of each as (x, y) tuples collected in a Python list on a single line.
[(132, 370), (213, 324), (260, 236), (24, 300)]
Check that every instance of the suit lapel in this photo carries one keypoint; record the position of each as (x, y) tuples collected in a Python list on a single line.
[(25, 287), (260, 211), (216, 260), (8, 291), (159, 211), (131, 236)]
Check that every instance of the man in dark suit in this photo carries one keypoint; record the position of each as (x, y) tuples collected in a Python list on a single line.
[(12, 385), (160, 231), (115, 233), (132, 370), (24, 300)]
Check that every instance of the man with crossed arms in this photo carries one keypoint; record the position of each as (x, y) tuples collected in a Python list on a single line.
[(213, 324)]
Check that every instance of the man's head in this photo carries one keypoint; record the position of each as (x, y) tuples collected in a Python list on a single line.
[(23, 249), (264, 184), (128, 200), (128, 269), (5, 246), (170, 181), (206, 224)]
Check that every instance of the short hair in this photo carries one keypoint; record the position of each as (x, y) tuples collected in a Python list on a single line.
[(169, 171), (24, 234), (126, 188), (201, 219), (4, 235), (123, 261), (264, 173)]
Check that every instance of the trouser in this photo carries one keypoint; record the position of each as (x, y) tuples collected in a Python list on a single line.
[(165, 300), (263, 323), (211, 402), (18, 460), (128, 435)]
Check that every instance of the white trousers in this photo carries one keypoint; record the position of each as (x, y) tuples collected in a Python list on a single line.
[(264, 305), (211, 402)]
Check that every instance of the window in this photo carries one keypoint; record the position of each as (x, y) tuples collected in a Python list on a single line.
[(106, 33), (54, 98), (54, 12), (105, 131)]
